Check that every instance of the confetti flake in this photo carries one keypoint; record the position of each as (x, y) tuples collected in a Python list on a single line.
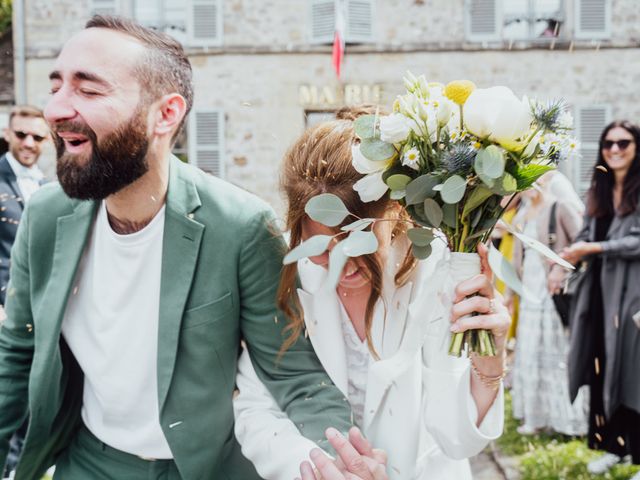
[(620, 441), (599, 437), (597, 365)]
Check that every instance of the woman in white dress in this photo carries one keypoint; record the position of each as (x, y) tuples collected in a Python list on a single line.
[(540, 378), (382, 335)]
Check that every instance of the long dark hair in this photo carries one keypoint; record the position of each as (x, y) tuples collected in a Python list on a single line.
[(600, 194)]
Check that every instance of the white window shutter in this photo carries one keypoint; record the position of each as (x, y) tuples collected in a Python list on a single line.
[(593, 19), (483, 20), (590, 121), (104, 7), (206, 140), (323, 20), (359, 20), (205, 23)]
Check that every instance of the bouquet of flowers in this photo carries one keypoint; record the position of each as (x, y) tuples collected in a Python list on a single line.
[(448, 155)]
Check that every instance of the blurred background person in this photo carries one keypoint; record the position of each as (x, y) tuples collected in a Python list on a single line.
[(540, 390), (605, 322), (19, 178), (503, 240)]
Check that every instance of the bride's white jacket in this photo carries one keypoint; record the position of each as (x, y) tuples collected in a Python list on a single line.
[(418, 404)]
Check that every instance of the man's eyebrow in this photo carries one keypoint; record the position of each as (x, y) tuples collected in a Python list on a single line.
[(81, 76)]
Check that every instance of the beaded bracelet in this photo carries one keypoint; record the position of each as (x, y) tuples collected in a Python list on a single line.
[(489, 381)]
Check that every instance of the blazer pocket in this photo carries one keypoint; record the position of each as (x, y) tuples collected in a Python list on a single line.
[(208, 312)]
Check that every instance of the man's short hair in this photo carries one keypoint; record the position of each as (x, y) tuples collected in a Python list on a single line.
[(28, 111), (164, 69)]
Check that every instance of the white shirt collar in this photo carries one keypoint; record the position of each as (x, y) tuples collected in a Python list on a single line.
[(20, 171)]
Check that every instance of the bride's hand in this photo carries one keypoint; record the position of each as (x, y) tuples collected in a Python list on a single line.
[(356, 459), (478, 295)]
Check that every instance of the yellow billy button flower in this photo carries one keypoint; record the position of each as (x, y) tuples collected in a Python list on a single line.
[(459, 90)]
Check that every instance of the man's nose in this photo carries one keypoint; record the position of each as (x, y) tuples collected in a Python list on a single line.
[(29, 141), (58, 108)]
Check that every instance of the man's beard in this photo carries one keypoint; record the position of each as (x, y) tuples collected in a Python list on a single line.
[(118, 160)]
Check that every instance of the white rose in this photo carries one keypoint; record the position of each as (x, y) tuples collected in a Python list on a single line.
[(371, 187), (498, 114), (394, 128)]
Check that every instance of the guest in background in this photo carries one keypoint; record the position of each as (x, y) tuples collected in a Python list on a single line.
[(605, 322), (540, 389), (19, 178)]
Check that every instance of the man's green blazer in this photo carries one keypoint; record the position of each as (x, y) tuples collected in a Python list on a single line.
[(221, 262)]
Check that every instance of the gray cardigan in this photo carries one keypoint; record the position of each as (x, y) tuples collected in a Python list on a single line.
[(620, 280)]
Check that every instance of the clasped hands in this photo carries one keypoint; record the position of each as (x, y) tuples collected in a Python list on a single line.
[(356, 459)]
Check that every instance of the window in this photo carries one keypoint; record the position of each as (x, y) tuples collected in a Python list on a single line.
[(536, 20), (358, 18), (590, 120), (195, 23), (206, 140)]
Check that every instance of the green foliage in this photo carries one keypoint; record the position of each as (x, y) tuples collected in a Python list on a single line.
[(365, 127), (552, 456), (327, 209), (6, 10), (567, 461), (421, 188), (377, 150)]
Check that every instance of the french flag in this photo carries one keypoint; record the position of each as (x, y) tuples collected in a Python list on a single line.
[(338, 37)]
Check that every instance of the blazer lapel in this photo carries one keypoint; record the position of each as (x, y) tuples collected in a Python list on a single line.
[(7, 172), (72, 232), (322, 317), (180, 249)]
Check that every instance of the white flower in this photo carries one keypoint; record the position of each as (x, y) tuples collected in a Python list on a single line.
[(394, 128), (411, 158), (362, 164), (371, 187), (498, 114)]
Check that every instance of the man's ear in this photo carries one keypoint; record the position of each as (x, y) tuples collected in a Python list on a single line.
[(171, 111)]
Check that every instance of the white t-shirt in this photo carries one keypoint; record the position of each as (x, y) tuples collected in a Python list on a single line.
[(111, 326)]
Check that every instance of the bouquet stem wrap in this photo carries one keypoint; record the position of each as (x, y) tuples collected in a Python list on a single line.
[(464, 266)]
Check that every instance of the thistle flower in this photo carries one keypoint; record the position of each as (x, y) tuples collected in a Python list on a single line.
[(459, 158), (552, 115)]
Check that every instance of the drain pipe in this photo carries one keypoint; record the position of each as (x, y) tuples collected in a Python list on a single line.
[(20, 67)]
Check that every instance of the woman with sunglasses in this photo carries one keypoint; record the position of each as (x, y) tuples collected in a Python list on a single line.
[(605, 321)]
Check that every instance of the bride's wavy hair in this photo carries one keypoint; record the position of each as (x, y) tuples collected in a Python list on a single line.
[(320, 162)]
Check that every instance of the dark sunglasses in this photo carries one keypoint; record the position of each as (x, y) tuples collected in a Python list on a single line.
[(622, 144), (23, 135)]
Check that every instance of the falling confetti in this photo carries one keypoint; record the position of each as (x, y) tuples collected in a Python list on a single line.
[(620, 441), (597, 365), (599, 437)]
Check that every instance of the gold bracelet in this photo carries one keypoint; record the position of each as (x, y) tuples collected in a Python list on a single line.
[(490, 381)]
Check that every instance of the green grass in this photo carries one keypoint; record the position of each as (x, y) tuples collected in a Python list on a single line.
[(549, 456)]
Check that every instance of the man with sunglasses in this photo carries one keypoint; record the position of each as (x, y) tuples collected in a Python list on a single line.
[(19, 178)]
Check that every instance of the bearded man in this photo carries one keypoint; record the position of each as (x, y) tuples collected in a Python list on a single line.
[(133, 282)]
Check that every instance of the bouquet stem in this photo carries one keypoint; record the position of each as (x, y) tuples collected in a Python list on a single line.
[(480, 342)]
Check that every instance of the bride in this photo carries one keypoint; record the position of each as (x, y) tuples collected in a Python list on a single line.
[(382, 335)]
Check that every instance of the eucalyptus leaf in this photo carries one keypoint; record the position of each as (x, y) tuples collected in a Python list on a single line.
[(421, 188), (477, 197), (421, 252), (489, 182), (542, 249), (337, 261), (358, 225), (315, 245), (365, 126), (453, 189), (503, 269), (437, 188), (433, 212), (476, 218), (492, 161), (398, 181), (377, 150), (505, 185), (397, 194), (420, 237), (360, 243), (327, 209), (449, 214)]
